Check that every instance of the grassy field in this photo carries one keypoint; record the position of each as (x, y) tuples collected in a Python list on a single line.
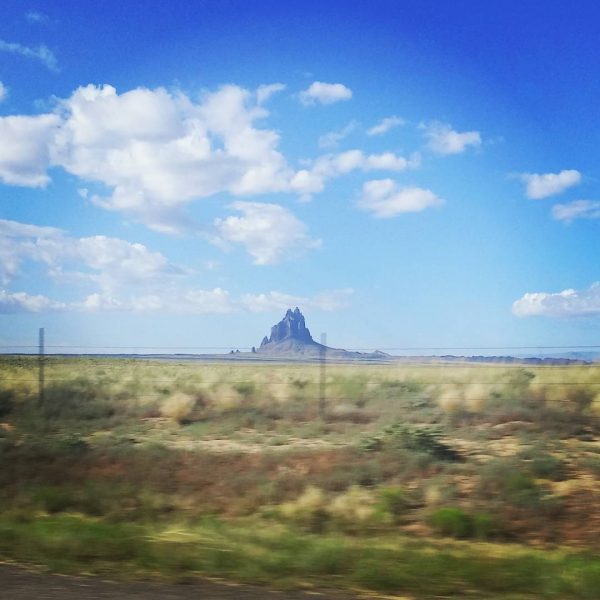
[(425, 480)]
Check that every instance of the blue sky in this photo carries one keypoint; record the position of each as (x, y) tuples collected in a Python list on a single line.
[(409, 173)]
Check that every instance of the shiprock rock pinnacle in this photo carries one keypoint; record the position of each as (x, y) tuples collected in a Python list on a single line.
[(291, 327), (290, 335), (291, 338)]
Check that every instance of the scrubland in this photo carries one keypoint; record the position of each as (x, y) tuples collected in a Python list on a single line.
[(424, 481)]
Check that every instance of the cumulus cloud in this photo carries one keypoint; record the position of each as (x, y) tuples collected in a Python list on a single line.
[(568, 303), (268, 232), (325, 93), (384, 198), (18, 243), (154, 150), (578, 209), (264, 92), (312, 180), (174, 301), (276, 301), (333, 138), (385, 125), (538, 186), (20, 302), (107, 262), (129, 277), (26, 148), (213, 301), (442, 139), (41, 53), (3, 92), (179, 301)]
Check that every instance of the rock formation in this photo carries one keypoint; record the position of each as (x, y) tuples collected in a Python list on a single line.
[(290, 338), (291, 327)]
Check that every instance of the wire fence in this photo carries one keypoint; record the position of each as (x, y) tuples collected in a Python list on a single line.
[(433, 370)]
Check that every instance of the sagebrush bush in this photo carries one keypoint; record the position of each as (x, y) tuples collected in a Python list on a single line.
[(79, 399), (178, 407), (509, 484), (418, 439), (354, 509), (546, 466), (308, 510)]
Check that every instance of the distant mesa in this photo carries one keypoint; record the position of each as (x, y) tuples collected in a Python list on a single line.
[(291, 338)]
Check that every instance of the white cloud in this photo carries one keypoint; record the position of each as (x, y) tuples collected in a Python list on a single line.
[(211, 301), (41, 53), (540, 186), (385, 199), (325, 93), (268, 232), (155, 150), (568, 303), (25, 149), (174, 301), (333, 138), (578, 209), (3, 92), (20, 302), (388, 161), (110, 263), (385, 125), (312, 180), (442, 139), (129, 277), (17, 243), (275, 301), (34, 16), (264, 92), (117, 262)]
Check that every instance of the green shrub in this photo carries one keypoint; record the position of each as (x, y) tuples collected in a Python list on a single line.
[(53, 499), (393, 502), (452, 522), (7, 403), (77, 400), (245, 389), (371, 443), (401, 387), (505, 482), (419, 439), (424, 440), (457, 523), (352, 389), (484, 526), (547, 466)]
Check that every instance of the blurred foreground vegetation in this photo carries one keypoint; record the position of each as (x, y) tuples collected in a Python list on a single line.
[(430, 480)]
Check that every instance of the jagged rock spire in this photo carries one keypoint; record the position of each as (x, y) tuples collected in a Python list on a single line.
[(291, 327)]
